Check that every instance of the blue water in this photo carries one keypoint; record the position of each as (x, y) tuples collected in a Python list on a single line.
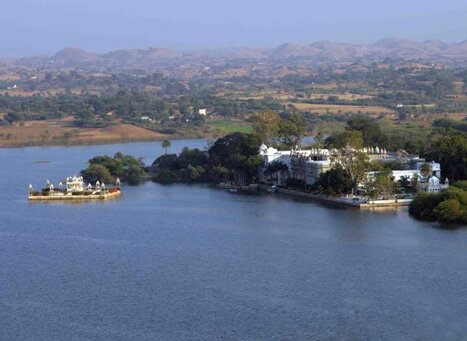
[(189, 262)]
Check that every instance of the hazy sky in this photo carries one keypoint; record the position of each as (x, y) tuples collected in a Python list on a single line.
[(45, 26)]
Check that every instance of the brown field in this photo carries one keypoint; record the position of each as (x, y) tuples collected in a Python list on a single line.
[(457, 116), (342, 109), (9, 77), (21, 93), (333, 86), (152, 88), (328, 86), (346, 96), (60, 132), (48, 92), (284, 96), (246, 98)]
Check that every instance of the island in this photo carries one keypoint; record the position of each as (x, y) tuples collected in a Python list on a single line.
[(75, 189)]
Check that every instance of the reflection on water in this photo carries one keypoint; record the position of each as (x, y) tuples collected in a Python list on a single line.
[(191, 262)]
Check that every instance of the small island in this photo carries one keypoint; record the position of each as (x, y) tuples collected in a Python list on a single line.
[(75, 189)]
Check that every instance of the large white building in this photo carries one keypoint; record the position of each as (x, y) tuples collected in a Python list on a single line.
[(300, 163), (308, 164)]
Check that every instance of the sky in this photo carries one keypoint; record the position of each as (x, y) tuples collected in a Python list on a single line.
[(29, 27)]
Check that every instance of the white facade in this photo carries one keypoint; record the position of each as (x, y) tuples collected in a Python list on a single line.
[(305, 164), (432, 185), (74, 184), (308, 164), (270, 154), (409, 174)]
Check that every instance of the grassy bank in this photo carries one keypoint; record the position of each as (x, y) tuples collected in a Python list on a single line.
[(62, 133)]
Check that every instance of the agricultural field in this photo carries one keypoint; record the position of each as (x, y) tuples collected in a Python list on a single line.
[(230, 126), (341, 109)]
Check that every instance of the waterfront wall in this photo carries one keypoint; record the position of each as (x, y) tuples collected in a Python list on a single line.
[(73, 197), (386, 203), (346, 201)]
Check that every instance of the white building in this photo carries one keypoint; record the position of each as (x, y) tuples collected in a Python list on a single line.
[(432, 185), (203, 112), (305, 164), (74, 184), (308, 164), (406, 173), (270, 154)]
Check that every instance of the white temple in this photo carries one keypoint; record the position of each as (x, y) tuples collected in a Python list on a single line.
[(74, 184), (75, 189)]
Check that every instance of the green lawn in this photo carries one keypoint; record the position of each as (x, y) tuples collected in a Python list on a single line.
[(231, 126)]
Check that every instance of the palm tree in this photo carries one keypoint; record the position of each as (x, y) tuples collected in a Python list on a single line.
[(425, 170), (166, 144), (319, 141)]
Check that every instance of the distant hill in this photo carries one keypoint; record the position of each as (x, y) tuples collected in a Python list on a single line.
[(292, 50), (458, 50), (431, 50), (139, 56), (33, 60), (74, 57), (340, 50), (404, 48)]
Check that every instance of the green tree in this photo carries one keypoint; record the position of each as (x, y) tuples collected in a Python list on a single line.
[(450, 150), (384, 183), (238, 153), (123, 166), (350, 138), (266, 124), (460, 184), (355, 162), (449, 206), (448, 211), (167, 161), (166, 144), (195, 172), (276, 166), (194, 157), (426, 170), (97, 172), (318, 142), (371, 131), (292, 130), (336, 181)]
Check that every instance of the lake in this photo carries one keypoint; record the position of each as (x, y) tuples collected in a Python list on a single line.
[(173, 262)]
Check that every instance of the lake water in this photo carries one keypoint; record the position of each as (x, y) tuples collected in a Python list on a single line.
[(189, 262)]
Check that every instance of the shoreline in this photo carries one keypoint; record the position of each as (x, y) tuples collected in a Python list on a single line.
[(33, 133), (103, 142), (371, 204), (106, 196)]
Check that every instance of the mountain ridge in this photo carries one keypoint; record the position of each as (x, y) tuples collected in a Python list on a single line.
[(392, 47)]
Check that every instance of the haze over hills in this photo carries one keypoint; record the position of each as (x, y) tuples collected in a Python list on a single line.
[(431, 50)]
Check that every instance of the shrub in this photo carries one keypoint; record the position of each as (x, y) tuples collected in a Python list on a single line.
[(460, 184), (448, 211), (448, 206)]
